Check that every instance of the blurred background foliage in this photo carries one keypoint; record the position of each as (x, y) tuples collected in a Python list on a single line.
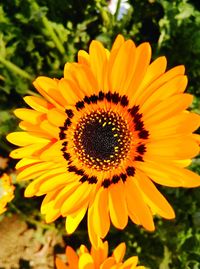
[(37, 37)]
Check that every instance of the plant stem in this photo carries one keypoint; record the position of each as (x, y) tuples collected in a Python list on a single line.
[(47, 25), (15, 68), (117, 9)]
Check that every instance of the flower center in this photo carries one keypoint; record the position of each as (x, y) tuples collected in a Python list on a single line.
[(102, 139)]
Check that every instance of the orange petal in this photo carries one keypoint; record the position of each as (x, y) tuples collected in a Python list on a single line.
[(117, 205), (101, 213), (136, 204), (154, 198)]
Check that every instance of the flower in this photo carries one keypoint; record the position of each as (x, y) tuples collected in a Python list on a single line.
[(124, 6), (98, 258), (6, 192), (100, 137)]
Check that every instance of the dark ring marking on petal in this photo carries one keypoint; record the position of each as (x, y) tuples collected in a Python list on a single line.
[(141, 149), (130, 170), (101, 96), (139, 125), (115, 98), (69, 113), (62, 134), (67, 123), (94, 98), (139, 158), (67, 156), (83, 179), (72, 168), (123, 176), (90, 180), (115, 179), (87, 100), (106, 183), (144, 134), (108, 96), (133, 110), (124, 101), (79, 105), (80, 172), (65, 144)]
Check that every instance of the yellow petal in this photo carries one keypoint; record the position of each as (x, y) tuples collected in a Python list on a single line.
[(29, 115), (49, 89), (94, 238), (98, 62), (56, 117), (154, 198), (170, 175), (101, 213), (183, 123), (52, 152), (173, 148), (38, 103), (28, 151), (121, 66), (49, 197), (108, 263), (167, 108), (83, 58), (50, 129), (99, 255), (117, 205), (34, 129), (154, 71), (162, 174), (119, 252), (70, 91), (117, 43), (35, 170), (57, 181), (172, 87), (86, 262), (144, 94), (136, 204), (72, 221), (130, 263), (25, 139), (76, 199), (66, 191), (143, 56), (25, 162)]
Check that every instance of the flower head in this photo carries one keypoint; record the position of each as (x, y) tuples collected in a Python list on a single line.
[(6, 192), (99, 139), (98, 258), (124, 6)]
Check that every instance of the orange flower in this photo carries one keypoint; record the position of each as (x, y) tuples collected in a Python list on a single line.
[(100, 137), (98, 258), (6, 192)]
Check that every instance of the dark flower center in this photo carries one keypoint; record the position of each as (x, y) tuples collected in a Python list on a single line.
[(102, 139)]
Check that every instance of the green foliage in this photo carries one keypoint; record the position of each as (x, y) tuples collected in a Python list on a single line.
[(37, 37)]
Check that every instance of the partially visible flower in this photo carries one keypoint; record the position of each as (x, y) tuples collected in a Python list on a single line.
[(123, 8), (6, 192), (98, 258)]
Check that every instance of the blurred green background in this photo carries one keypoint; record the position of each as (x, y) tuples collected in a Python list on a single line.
[(37, 37)]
